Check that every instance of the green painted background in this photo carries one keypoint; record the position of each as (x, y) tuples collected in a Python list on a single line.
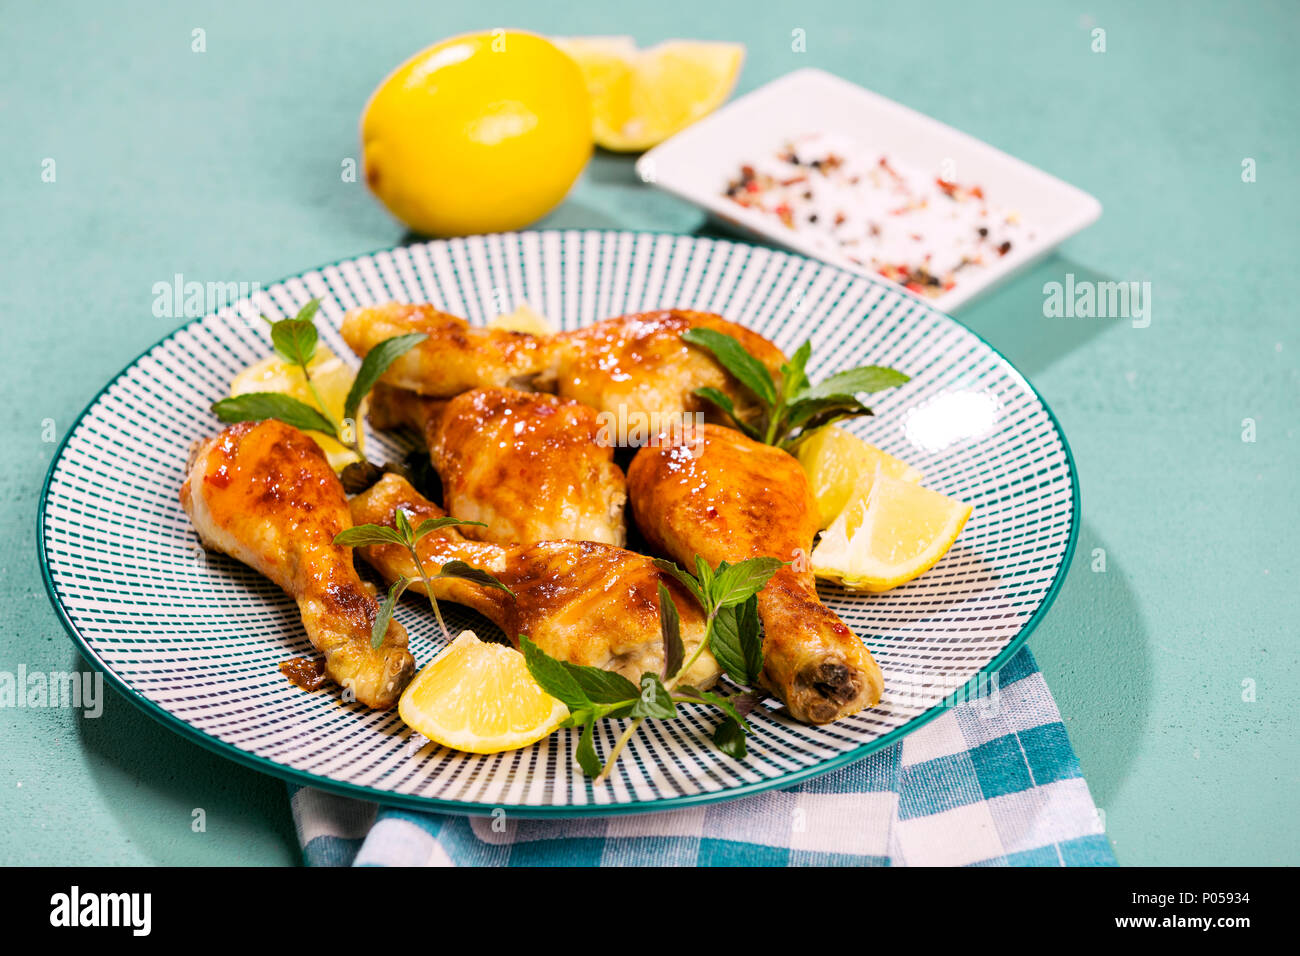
[(225, 165)]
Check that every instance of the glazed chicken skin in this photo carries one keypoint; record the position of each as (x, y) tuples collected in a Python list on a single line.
[(532, 467), (580, 601), (726, 497), (639, 363), (628, 365), (454, 358), (265, 494)]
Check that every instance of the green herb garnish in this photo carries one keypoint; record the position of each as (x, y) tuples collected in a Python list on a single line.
[(295, 340), (406, 536), (792, 408), (728, 597)]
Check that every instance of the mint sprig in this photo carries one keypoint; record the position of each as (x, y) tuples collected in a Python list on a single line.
[(374, 365), (791, 407), (727, 595), (256, 406), (404, 535), (295, 340)]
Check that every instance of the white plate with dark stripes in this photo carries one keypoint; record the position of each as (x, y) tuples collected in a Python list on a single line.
[(197, 639)]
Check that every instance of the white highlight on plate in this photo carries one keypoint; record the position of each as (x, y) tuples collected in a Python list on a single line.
[(951, 417)]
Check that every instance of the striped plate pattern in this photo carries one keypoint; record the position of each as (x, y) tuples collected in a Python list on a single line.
[(196, 639)]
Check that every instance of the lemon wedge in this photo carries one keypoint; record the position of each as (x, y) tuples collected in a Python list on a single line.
[(891, 532), (479, 698), (641, 97), (333, 379), (522, 319), (837, 462)]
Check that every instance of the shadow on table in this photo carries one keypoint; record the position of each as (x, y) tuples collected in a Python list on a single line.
[(1093, 647), (130, 750)]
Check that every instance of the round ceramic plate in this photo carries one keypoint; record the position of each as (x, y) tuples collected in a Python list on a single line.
[(196, 638)]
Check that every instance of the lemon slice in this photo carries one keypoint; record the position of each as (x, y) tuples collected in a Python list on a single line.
[(837, 463), (891, 532), (607, 66), (641, 97), (522, 319), (479, 698), (333, 379)]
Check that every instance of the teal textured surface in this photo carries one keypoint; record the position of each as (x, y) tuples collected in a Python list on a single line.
[(1173, 667)]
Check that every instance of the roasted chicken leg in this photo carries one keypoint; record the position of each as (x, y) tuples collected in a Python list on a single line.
[(533, 467), (580, 601), (264, 493), (455, 357), (725, 497), (638, 364), (630, 365)]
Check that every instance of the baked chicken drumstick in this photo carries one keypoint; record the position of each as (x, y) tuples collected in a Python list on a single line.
[(455, 357), (532, 467), (264, 493), (580, 601), (725, 497), (639, 363), (630, 364)]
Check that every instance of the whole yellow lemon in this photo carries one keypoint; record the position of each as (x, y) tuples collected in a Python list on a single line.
[(479, 133)]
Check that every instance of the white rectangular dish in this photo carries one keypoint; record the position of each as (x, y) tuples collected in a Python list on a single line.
[(701, 162)]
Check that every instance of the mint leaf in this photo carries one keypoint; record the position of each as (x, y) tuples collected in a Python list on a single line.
[(687, 581), (745, 703), (459, 569), (429, 525), (736, 642), (794, 378), (554, 678), (367, 534), (854, 381), (258, 406), (748, 370), (294, 340), (385, 614), (653, 700), (805, 410), (730, 739), (735, 583), (807, 416), (308, 311), (724, 402), (586, 753), (719, 398), (373, 367), (670, 628), (724, 704), (433, 524), (403, 525), (704, 574), (602, 686)]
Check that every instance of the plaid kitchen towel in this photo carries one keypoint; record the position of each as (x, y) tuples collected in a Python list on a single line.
[(982, 784)]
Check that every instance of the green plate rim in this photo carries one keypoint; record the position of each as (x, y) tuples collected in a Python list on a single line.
[(524, 811)]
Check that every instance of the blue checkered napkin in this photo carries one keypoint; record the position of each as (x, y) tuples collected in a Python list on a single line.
[(990, 782)]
